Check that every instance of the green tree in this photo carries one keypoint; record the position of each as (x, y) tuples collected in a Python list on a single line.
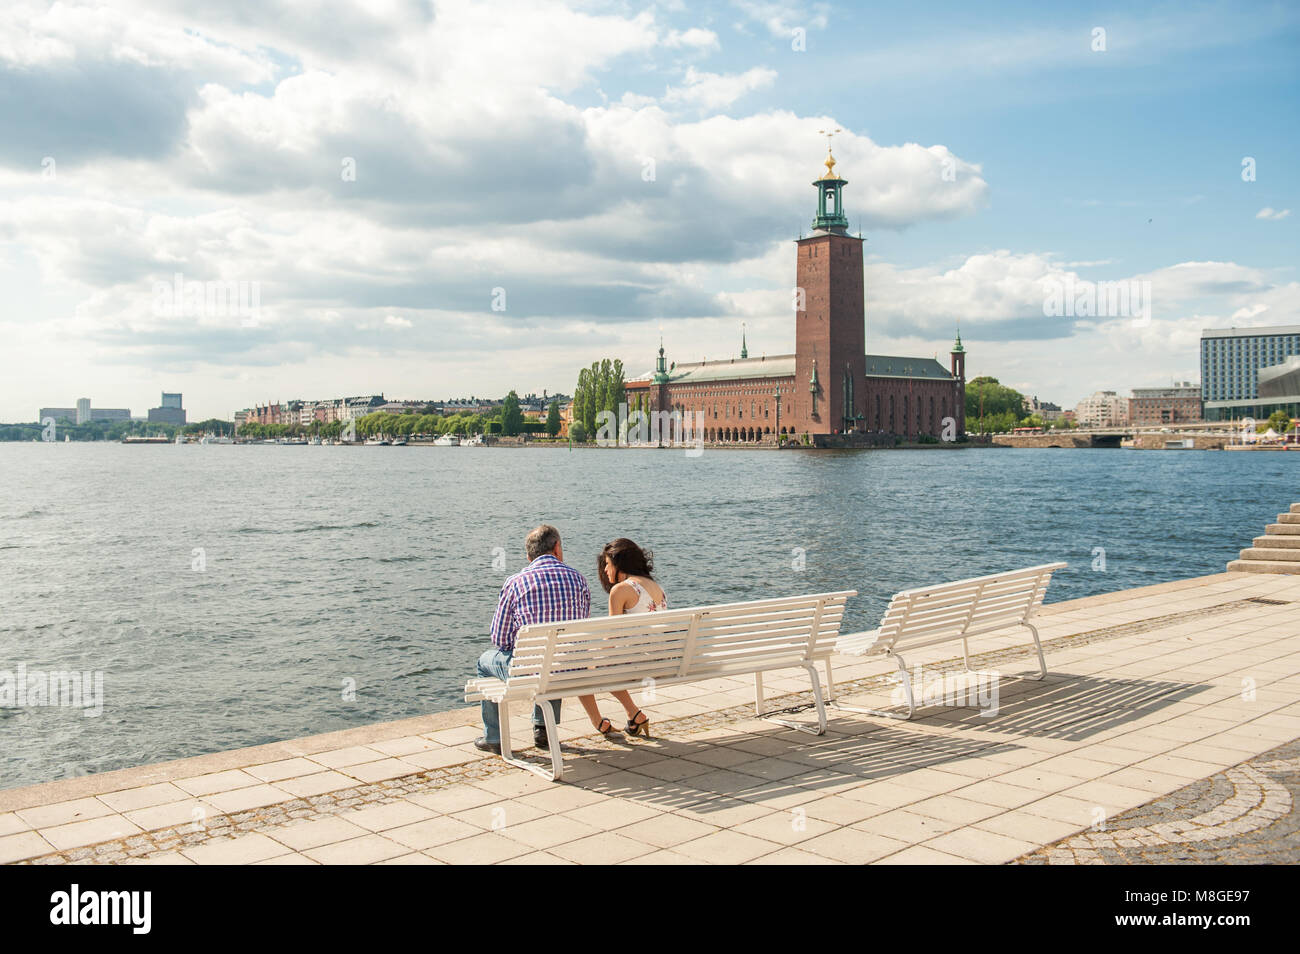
[(553, 419), (1280, 421), (999, 406), (512, 419), (577, 432)]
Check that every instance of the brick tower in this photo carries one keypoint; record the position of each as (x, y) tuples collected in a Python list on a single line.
[(830, 330)]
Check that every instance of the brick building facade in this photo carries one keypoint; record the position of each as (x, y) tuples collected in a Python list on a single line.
[(1179, 404), (829, 388)]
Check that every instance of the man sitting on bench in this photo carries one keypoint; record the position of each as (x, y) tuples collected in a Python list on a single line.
[(548, 590)]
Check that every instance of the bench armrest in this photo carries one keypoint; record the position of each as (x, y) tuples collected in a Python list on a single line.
[(484, 687)]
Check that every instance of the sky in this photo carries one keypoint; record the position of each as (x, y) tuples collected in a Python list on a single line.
[(443, 199)]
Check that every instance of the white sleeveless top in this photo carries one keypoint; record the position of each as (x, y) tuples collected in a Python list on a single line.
[(644, 604)]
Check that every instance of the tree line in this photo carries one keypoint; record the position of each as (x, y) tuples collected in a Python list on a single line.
[(507, 420), (602, 387)]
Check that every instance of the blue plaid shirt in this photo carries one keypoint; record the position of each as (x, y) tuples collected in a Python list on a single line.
[(546, 591)]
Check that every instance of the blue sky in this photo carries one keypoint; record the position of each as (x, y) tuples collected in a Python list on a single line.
[(605, 171)]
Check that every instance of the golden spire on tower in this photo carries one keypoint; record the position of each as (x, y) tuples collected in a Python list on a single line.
[(830, 159)]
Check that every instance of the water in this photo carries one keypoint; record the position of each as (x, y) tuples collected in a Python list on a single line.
[(327, 564)]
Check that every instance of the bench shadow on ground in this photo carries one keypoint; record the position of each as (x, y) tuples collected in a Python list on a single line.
[(1062, 706), (767, 763)]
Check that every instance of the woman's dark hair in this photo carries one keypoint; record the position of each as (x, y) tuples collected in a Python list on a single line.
[(626, 557)]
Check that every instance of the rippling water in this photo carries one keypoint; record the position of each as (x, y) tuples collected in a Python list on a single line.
[(375, 564)]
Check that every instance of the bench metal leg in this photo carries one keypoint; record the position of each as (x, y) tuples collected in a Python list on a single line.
[(830, 682), (811, 669), (507, 754), (758, 695), (1038, 647), (553, 736), (907, 694)]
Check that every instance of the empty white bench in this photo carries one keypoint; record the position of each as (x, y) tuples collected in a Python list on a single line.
[(930, 615), (642, 650)]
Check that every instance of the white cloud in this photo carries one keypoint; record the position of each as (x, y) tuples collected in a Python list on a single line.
[(781, 19), (714, 91), (1271, 214), (695, 38)]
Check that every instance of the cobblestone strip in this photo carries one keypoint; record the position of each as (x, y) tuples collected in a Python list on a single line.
[(225, 827), (1242, 815)]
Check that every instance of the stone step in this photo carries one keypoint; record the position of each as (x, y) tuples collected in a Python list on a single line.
[(1280, 540), (1271, 553), (1295, 508), (1282, 528), (1264, 566), (1288, 518)]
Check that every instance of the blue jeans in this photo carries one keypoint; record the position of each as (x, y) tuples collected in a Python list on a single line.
[(496, 663)]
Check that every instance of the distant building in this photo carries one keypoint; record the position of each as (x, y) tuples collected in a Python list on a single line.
[(358, 407), (1243, 372), (83, 412), (170, 412), (1044, 409), (1102, 409), (829, 387), (1179, 404)]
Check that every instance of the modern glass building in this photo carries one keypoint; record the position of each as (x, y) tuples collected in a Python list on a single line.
[(1231, 362)]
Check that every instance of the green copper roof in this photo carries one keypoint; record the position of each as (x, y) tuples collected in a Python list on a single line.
[(892, 366), (956, 345), (782, 366), (729, 369)]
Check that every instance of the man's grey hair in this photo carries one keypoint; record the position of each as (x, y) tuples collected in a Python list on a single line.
[(542, 540)]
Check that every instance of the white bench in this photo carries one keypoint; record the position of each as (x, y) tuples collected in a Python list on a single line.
[(930, 615), (642, 650)]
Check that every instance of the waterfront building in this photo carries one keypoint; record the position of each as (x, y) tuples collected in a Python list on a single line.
[(1178, 404), (1240, 376), (84, 412), (829, 388), (1102, 409), (1045, 410), (169, 411), (358, 407)]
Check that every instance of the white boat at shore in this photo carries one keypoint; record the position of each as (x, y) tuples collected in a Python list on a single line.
[(376, 442), (447, 440), (475, 441)]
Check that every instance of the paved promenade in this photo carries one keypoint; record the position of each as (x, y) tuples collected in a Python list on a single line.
[(1165, 732)]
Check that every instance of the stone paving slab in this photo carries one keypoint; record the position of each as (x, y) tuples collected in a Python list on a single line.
[(1150, 690)]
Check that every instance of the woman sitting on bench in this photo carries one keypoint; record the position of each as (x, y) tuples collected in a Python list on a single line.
[(625, 573)]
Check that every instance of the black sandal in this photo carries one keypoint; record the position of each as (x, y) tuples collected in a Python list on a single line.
[(604, 731), (638, 728)]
